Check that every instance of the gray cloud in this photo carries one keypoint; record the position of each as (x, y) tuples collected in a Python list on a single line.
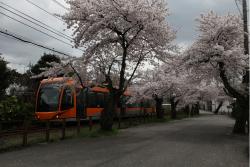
[(184, 13), (20, 55)]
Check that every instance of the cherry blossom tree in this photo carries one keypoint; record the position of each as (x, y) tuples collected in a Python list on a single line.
[(166, 81), (218, 54), (119, 36), (171, 80), (151, 86)]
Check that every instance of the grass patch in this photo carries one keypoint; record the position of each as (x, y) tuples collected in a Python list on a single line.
[(161, 120), (182, 116), (15, 142), (97, 132), (11, 143), (100, 133)]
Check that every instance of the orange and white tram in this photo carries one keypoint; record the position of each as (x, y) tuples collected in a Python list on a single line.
[(60, 98)]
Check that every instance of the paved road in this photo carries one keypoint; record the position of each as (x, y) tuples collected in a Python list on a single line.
[(198, 142)]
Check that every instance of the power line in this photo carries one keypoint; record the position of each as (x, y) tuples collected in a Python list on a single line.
[(36, 23), (38, 30), (58, 3), (34, 28), (20, 38), (236, 3), (34, 19), (32, 3)]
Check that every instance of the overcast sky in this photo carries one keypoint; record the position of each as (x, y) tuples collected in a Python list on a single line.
[(20, 55)]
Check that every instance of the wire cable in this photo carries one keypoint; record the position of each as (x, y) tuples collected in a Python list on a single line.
[(20, 38), (32, 3), (58, 3), (236, 3), (39, 30), (35, 28), (36, 24), (34, 19)]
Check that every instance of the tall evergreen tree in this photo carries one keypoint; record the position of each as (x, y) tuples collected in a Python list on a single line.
[(43, 63), (5, 77)]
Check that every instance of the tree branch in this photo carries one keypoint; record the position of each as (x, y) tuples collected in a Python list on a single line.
[(226, 83), (137, 33), (80, 79)]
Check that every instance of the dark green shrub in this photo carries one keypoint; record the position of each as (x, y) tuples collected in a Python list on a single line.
[(12, 109)]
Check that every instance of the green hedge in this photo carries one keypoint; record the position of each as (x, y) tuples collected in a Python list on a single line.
[(12, 109)]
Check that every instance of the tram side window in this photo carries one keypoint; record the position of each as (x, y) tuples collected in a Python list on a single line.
[(79, 96), (92, 99), (131, 105), (152, 103), (137, 104), (122, 102), (106, 97), (100, 100), (146, 104), (67, 99)]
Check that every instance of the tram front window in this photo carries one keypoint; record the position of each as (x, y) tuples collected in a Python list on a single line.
[(48, 98)]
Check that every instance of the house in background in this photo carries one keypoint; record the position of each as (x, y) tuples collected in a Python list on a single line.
[(222, 105)]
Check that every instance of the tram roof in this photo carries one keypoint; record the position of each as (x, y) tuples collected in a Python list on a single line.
[(70, 80), (58, 79)]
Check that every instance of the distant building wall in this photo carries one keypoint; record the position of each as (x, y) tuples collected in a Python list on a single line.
[(206, 105), (212, 106), (225, 108)]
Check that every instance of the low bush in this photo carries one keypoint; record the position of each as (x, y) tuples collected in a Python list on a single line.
[(13, 109)]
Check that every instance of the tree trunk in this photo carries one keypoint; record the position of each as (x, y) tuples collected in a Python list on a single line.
[(240, 126), (107, 116), (192, 110), (218, 108), (159, 110), (186, 110), (173, 108), (241, 110), (197, 108), (242, 104), (241, 115)]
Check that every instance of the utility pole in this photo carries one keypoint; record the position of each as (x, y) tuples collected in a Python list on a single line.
[(246, 37), (246, 52)]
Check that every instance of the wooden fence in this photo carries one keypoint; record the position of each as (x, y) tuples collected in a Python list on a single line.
[(26, 128)]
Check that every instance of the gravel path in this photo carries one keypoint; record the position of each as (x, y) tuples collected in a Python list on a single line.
[(196, 142)]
